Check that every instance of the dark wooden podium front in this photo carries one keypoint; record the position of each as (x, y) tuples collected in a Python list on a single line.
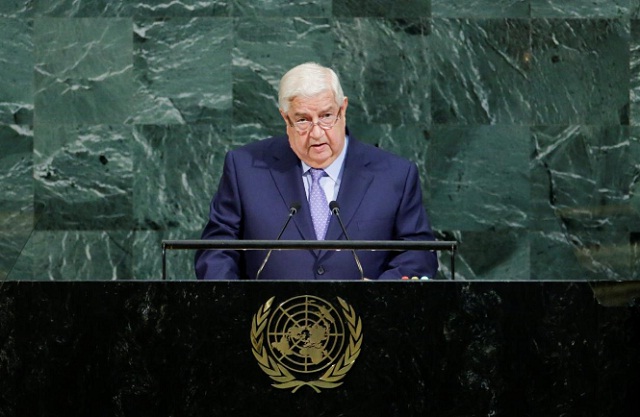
[(427, 349)]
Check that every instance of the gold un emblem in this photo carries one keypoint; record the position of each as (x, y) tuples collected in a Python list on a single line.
[(306, 341)]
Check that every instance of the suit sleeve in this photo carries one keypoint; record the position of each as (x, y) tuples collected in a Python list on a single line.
[(224, 223), (412, 223)]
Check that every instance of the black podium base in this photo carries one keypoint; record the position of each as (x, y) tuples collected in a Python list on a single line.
[(425, 349)]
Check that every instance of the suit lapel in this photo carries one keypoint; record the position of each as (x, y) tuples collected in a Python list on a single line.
[(286, 172), (356, 179)]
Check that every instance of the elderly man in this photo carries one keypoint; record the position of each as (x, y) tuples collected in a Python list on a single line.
[(319, 161)]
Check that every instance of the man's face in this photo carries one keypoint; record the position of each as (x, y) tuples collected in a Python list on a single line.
[(317, 147)]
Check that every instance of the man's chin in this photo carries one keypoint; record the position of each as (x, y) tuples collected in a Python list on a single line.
[(319, 159)]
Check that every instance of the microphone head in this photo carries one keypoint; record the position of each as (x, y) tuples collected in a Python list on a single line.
[(334, 207), (294, 207)]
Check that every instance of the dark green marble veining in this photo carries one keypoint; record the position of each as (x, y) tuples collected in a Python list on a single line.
[(382, 8), (483, 192), (83, 177), (635, 73), (147, 253), (521, 115), (480, 8), (264, 49), (16, 193), (132, 8), (585, 178), (176, 168), (494, 255), (100, 255), (16, 81), (481, 71), (83, 71), (580, 8), (281, 8), (385, 69), (182, 70), (16, 8), (585, 201), (591, 255), (580, 71)]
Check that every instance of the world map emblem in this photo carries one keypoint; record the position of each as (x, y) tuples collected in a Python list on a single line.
[(306, 341)]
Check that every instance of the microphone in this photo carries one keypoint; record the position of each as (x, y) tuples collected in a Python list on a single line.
[(293, 209), (335, 209)]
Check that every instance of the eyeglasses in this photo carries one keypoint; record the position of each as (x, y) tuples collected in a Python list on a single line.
[(325, 122)]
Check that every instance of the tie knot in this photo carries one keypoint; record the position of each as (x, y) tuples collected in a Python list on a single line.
[(316, 173)]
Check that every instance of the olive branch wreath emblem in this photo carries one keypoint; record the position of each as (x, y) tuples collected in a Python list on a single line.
[(281, 376)]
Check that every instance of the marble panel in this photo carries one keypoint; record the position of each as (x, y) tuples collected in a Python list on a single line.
[(83, 8), (176, 172), (281, 8), (502, 255), (84, 177), (582, 256), (378, 8), (634, 87), (186, 8), (606, 254), (409, 141), (481, 8), (585, 178), (264, 50), (481, 71), (634, 241), (580, 8), (249, 132), (16, 8), (580, 71), (479, 178), (147, 255), (131, 8), (16, 71), (384, 69), (83, 72), (585, 202), (182, 70), (98, 255), (16, 197)]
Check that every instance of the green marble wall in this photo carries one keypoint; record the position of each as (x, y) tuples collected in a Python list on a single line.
[(523, 116)]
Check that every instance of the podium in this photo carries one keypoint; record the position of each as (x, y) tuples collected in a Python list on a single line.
[(434, 348)]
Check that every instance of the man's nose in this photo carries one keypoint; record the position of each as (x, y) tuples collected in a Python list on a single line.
[(316, 131)]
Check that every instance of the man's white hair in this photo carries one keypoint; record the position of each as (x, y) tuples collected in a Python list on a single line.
[(308, 80)]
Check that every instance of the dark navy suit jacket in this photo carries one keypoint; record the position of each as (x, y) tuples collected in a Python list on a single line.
[(379, 198)]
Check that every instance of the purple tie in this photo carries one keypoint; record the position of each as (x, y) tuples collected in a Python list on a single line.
[(320, 213)]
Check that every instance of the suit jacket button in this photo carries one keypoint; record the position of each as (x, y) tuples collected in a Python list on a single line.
[(320, 270)]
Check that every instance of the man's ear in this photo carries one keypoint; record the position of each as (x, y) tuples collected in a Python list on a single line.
[(345, 104)]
